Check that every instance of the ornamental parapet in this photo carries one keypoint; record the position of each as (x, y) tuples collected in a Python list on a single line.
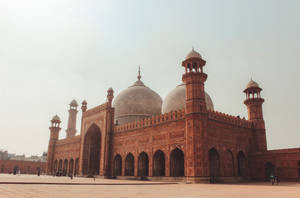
[(151, 121), (96, 110), (229, 119)]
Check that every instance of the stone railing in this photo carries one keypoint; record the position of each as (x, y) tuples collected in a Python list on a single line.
[(229, 119), (152, 121)]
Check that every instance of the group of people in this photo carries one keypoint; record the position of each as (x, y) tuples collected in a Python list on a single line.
[(274, 179)]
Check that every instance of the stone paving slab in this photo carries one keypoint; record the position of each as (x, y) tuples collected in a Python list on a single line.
[(249, 190)]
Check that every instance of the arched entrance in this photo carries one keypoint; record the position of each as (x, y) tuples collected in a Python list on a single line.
[(91, 151), (76, 166), (242, 164), (177, 163), (65, 167), (71, 164), (159, 163), (60, 166), (55, 167), (269, 170), (143, 164), (228, 163), (16, 170), (118, 165), (214, 162), (129, 165)]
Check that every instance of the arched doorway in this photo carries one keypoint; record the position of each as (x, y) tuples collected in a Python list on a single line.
[(269, 170), (214, 162), (65, 167), (55, 167), (118, 165), (228, 163), (242, 164), (129, 165), (16, 170), (159, 163), (143, 164), (71, 164), (76, 166), (177, 163), (91, 151), (60, 166)]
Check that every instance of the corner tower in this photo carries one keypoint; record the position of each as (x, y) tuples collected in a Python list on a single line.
[(54, 133), (254, 103), (71, 130), (196, 116)]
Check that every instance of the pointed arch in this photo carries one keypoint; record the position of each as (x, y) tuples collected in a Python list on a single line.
[(118, 165), (228, 163), (143, 164), (65, 167), (242, 164), (60, 166), (76, 166), (71, 166), (214, 162), (55, 166), (159, 163), (91, 151), (177, 163), (129, 165), (269, 170)]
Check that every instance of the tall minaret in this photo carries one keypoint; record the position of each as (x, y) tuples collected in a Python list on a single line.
[(54, 133), (196, 117), (71, 130), (254, 103)]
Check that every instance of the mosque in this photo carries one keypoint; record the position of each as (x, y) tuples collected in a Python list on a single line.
[(138, 135)]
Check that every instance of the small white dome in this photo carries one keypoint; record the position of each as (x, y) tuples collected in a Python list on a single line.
[(74, 103), (56, 118), (175, 100), (252, 84), (193, 54)]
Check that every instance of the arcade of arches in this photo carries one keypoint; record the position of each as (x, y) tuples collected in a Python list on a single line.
[(216, 166), (68, 168)]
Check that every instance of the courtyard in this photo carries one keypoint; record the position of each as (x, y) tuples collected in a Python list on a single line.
[(27, 186)]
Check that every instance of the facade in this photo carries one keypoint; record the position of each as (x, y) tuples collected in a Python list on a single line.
[(23, 167), (183, 137)]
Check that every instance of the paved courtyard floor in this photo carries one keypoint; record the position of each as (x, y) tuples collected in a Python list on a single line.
[(63, 187)]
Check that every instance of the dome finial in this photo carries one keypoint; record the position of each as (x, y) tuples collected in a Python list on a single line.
[(139, 73)]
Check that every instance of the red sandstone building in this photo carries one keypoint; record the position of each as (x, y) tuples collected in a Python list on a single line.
[(138, 134)]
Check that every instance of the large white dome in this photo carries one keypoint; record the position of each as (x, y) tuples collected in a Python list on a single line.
[(135, 103), (175, 100)]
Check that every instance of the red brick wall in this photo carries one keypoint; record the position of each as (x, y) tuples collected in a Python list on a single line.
[(165, 137), (26, 167), (284, 160)]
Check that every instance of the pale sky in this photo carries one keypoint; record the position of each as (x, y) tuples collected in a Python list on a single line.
[(53, 51)]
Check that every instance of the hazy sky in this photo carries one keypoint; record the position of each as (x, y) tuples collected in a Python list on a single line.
[(57, 50)]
